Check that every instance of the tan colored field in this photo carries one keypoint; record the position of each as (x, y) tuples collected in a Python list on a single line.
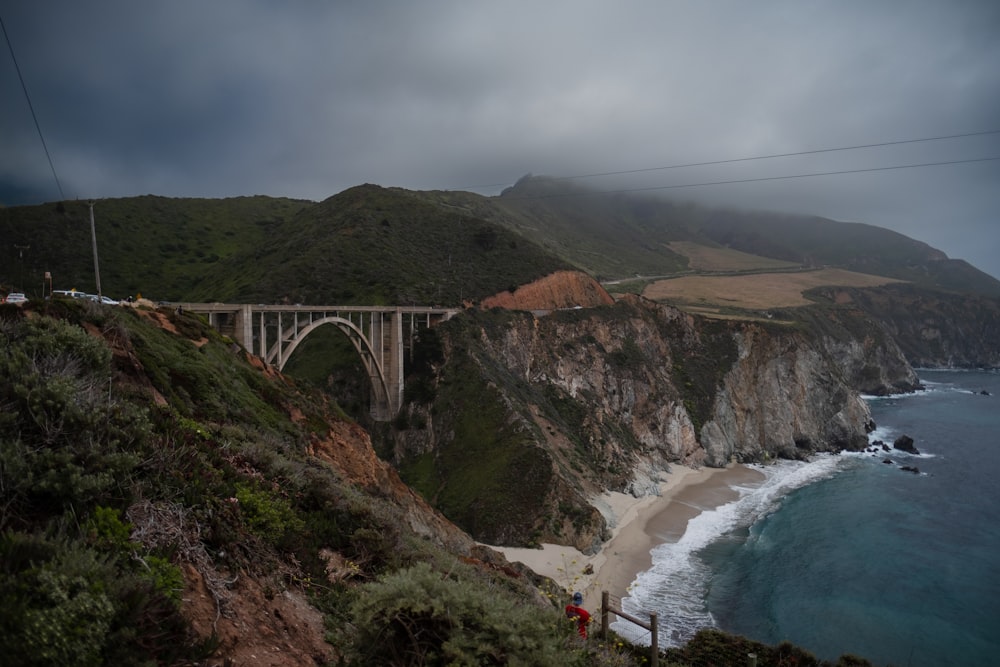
[(758, 291), (703, 258)]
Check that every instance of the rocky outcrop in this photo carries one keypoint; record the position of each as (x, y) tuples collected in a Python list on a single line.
[(608, 398), (905, 443), (562, 289), (784, 398)]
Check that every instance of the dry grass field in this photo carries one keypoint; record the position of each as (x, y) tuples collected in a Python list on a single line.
[(759, 291), (703, 258)]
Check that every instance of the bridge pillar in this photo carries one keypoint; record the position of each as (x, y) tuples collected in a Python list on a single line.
[(395, 380), (243, 326)]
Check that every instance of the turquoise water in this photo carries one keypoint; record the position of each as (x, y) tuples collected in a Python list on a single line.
[(849, 554)]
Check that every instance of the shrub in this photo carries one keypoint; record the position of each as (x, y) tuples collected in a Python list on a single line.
[(267, 516), (419, 616), (54, 608), (65, 439)]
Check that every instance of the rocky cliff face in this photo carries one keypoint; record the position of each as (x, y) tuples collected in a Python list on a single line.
[(934, 329), (525, 418), (783, 398)]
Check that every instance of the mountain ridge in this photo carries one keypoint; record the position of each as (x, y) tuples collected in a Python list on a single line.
[(213, 249)]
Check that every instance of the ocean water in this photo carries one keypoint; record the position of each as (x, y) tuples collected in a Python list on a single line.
[(847, 554)]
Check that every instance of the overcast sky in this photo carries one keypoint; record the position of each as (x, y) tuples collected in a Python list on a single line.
[(191, 98)]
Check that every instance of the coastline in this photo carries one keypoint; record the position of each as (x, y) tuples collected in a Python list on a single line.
[(637, 526)]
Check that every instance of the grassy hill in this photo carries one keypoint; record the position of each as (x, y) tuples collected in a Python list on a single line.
[(640, 235), (711, 259), (757, 291), (606, 236), (164, 499), (373, 245), (366, 245), (161, 247), (378, 245)]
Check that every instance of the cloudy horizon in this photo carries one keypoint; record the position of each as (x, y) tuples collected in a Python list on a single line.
[(305, 100)]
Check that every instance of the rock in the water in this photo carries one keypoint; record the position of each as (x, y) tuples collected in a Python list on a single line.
[(905, 443)]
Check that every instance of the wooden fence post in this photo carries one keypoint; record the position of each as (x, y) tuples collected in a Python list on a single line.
[(652, 626), (604, 615), (654, 644)]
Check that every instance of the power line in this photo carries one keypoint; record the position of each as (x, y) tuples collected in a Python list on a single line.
[(759, 179), (31, 108), (688, 165), (777, 155)]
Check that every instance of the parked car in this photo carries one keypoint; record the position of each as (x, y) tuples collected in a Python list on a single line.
[(75, 294), (69, 294), (15, 297)]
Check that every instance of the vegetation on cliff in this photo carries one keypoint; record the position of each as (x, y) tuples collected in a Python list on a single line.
[(366, 245), (146, 464)]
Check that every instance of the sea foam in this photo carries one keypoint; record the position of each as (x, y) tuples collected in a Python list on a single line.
[(676, 585)]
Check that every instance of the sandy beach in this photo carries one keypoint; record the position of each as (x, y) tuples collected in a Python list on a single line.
[(638, 525)]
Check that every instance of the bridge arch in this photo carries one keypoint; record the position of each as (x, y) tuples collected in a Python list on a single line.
[(376, 332), (381, 391)]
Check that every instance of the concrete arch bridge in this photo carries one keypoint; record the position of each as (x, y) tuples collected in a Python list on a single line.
[(380, 334)]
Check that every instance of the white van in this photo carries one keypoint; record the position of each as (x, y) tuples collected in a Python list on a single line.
[(72, 294)]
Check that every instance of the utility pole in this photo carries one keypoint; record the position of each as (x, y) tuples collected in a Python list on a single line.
[(20, 257), (93, 238)]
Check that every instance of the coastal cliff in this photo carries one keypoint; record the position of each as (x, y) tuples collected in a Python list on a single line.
[(513, 421), (935, 329)]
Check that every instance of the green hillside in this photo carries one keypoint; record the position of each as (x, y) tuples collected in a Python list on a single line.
[(617, 236), (158, 246), (366, 245), (373, 245), (859, 247), (378, 245), (607, 237)]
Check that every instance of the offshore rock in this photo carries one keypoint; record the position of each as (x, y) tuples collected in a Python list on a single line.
[(905, 443)]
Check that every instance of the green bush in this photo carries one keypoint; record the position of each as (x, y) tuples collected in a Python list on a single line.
[(419, 616), (105, 530), (106, 527), (267, 515), (65, 439), (54, 606)]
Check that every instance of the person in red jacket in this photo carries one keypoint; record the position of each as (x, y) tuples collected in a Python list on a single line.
[(575, 611)]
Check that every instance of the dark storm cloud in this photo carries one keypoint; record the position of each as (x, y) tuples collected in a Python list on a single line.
[(227, 98)]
